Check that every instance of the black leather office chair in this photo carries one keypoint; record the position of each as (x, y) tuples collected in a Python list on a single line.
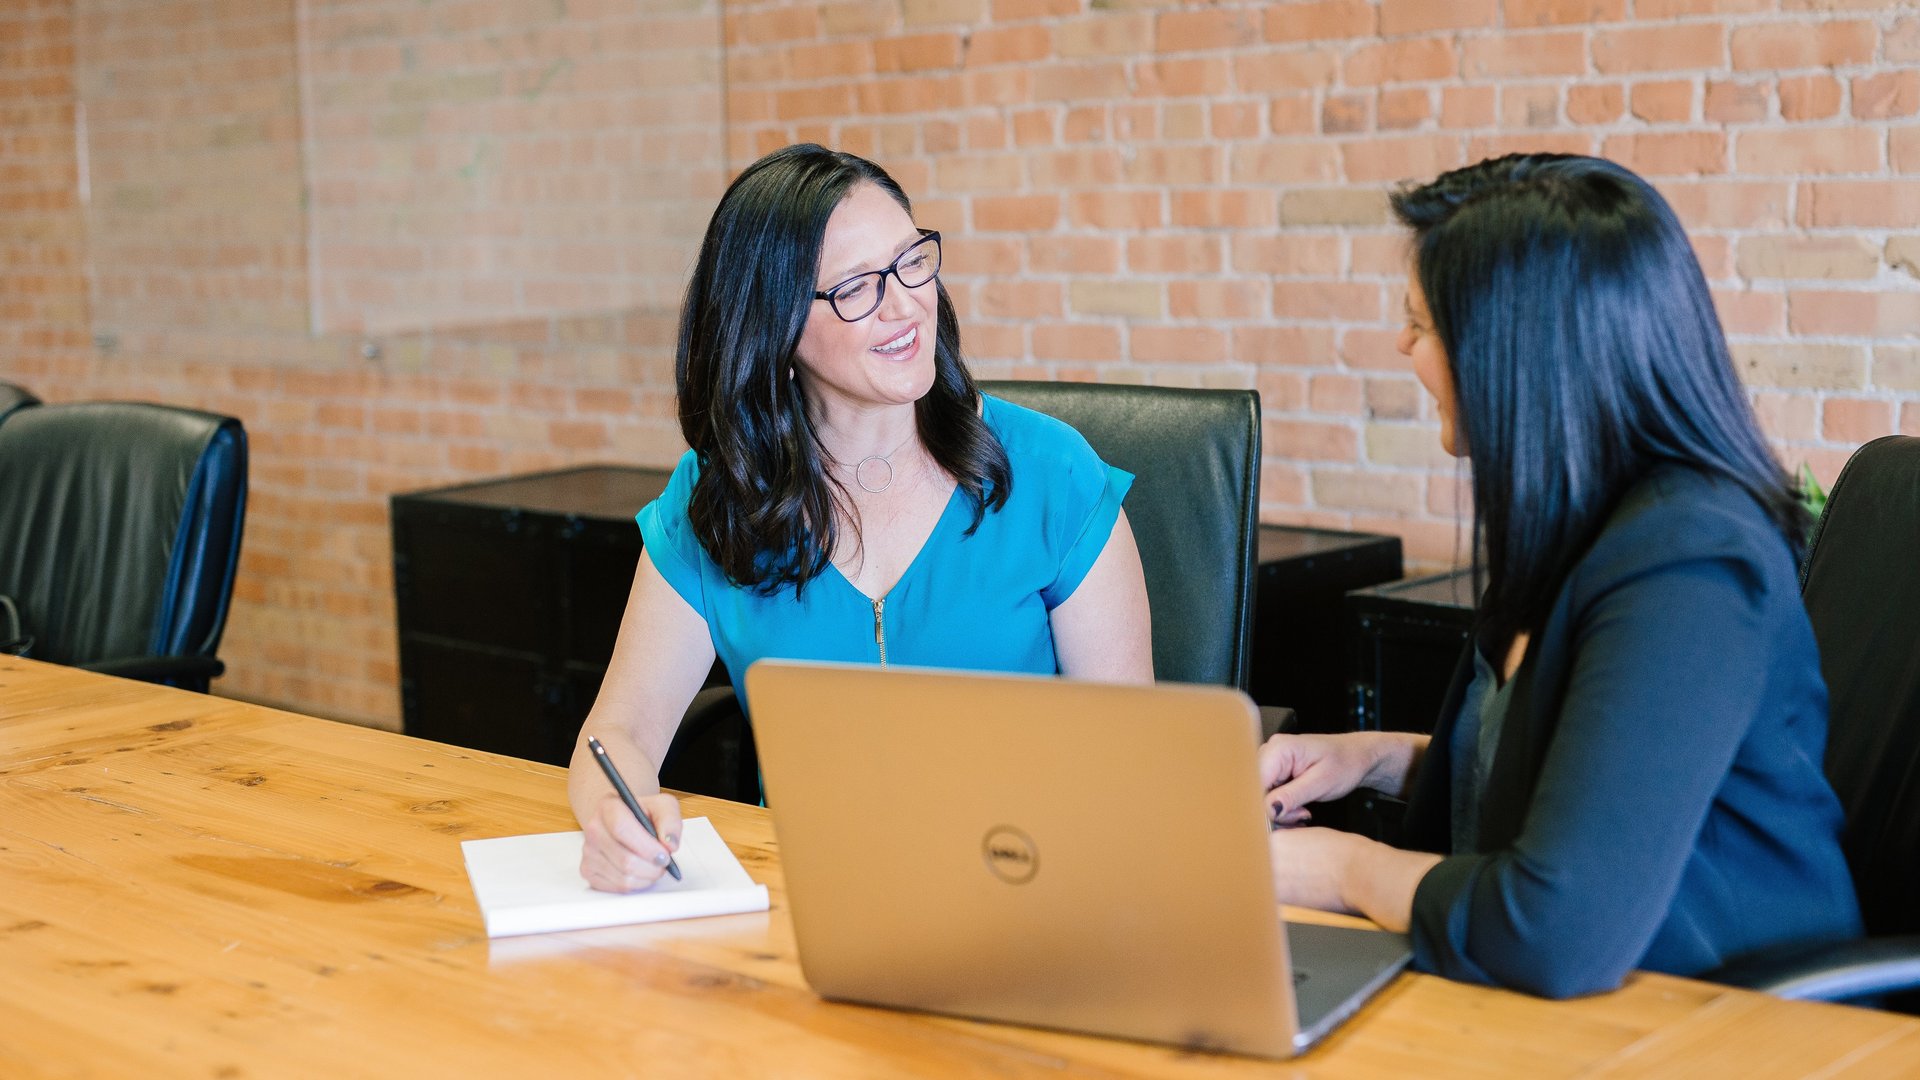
[(1194, 509), (14, 398), (119, 533), (1861, 583)]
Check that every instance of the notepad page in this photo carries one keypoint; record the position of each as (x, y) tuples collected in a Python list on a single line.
[(532, 884)]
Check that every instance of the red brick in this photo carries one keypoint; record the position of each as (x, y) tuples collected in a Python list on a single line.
[(1853, 314), (1080, 168), (1290, 346), (1809, 97), (1293, 69), (1344, 114), (1126, 211), (1358, 489), (1021, 300), (917, 52), (1176, 344), (1652, 10), (1016, 213), (1413, 158), (1214, 299), (1006, 11), (1744, 311), (1233, 120), (1903, 148), (1204, 76), (1530, 106), (1342, 395), (1523, 13), (1790, 416), (1191, 30), (1098, 81), (1370, 349), (1855, 420), (1902, 43), (1009, 45), (1326, 301), (1735, 103), (1104, 34), (1073, 255), (1400, 109), (1411, 60), (1293, 114), (1595, 103), (1784, 46), (1225, 208), (1886, 96), (1285, 161), (1463, 106), (1076, 341), (1721, 204), (1659, 48), (1291, 255), (1681, 153), (1525, 54), (1663, 102), (1303, 440), (1179, 254), (1424, 16), (1325, 20), (1809, 150)]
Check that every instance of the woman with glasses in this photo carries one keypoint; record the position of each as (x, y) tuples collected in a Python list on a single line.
[(849, 494), (1627, 772)]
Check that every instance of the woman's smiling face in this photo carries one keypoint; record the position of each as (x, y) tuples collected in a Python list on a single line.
[(885, 358)]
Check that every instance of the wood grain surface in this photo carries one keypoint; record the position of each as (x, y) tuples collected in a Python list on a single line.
[(191, 886)]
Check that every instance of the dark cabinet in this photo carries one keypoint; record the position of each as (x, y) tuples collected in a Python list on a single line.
[(1299, 652), (509, 596), (1405, 639)]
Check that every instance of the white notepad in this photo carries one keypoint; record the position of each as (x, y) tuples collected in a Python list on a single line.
[(532, 884)]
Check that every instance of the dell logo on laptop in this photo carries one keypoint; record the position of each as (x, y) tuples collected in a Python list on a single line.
[(1010, 855)]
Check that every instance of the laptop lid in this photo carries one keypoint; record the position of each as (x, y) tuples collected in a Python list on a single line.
[(1042, 851)]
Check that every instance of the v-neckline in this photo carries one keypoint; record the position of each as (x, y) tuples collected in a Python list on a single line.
[(939, 524)]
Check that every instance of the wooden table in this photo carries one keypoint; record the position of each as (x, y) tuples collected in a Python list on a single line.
[(197, 887)]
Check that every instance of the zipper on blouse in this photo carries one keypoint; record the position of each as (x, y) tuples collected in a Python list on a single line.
[(880, 628)]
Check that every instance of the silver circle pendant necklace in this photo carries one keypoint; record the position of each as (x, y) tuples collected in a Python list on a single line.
[(874, 473)]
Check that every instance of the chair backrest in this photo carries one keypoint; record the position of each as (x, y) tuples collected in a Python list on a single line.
[(1861, 583), (120, 527), (13, 398), (1194, 508)]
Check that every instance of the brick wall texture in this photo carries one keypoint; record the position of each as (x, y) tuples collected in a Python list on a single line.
[(419, 243)]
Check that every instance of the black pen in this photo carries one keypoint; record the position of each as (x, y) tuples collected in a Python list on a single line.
[(626, 796)]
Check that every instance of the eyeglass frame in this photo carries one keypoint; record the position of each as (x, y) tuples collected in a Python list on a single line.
[(880, 289)]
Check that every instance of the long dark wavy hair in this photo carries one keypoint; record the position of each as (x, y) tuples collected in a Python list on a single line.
[(1585, 350), (763, 504)]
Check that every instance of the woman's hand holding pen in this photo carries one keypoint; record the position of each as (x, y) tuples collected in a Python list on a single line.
[(619, 855)]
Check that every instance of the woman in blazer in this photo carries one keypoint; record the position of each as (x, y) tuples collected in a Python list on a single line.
[(1627, 770)]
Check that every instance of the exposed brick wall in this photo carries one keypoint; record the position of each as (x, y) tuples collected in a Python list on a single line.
[(1132, 191)]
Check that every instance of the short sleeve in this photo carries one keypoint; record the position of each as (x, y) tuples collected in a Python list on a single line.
[(1089, 505), (666, 534)]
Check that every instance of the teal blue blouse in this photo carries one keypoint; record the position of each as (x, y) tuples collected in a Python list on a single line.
[(979, 602)]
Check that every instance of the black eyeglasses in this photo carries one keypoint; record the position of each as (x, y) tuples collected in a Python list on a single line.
[(859, 296)]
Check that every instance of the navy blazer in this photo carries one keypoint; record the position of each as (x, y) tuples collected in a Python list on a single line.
[(1656, 799)]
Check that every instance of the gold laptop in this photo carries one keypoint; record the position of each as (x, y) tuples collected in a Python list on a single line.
[(1042, 851)]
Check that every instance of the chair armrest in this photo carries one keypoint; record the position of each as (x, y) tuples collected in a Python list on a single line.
[(1829, 971), (191, 672)]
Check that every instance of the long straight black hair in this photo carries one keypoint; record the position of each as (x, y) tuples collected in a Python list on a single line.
[(763, 504), (1585, 350)]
